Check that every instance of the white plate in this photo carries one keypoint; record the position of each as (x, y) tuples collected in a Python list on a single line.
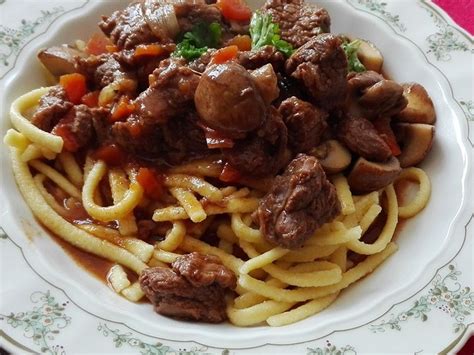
[(427, 243)]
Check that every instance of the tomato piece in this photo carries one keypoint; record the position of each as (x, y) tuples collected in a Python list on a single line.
[(224, 54), (91, 99), (112, 154), (382, 125), (122, 109), (151, 182), (97, 44), (216, 140), (75, 86), (111, 48), (64, 131), (148, 50), (229, 174), (243, 42), (235, 10)]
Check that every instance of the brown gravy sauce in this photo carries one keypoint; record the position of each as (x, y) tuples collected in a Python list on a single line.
[(95, 265)]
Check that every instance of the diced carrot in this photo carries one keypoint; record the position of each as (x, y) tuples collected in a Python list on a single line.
[(243, 42), (234, 10), (151, 182), (224, 54), (112, 154), (148, 50), (122, 109), (382, 125), (91, 99), (229, 174), (97, 44), (75, 86), (111, 48), (70, 142), (63, 130)]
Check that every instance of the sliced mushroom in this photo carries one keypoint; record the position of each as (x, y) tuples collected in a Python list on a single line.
[(333, 156), (420, 108), (60, 60), (416, 141), (367, 176), (369, 55), (267, 82)]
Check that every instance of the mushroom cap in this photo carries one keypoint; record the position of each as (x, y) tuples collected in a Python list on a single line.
[(420, 108), (367, 176), (416, 142), (333, 156)]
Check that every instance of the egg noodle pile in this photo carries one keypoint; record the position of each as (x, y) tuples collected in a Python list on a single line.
[(275, 285)]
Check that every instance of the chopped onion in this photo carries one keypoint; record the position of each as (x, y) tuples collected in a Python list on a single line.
[(161, 18)]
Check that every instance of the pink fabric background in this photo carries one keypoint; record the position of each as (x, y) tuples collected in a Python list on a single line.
[(461, 11)]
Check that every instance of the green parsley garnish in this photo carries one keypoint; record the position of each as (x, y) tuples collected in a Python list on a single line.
[(197, 41), (265, 32), (353, 62)]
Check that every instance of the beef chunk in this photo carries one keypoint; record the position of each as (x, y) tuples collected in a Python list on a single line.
[(361, 137), (190, 14), (128, 28), (262, 152), (184, 139), (321, 66), (171, 92), (305, 122), (300, 201), (105, 69), (204, 270), (75, 128), (299, 22), (51, 108), (257, 58), (193, 289), (138, 136), (169, 98)]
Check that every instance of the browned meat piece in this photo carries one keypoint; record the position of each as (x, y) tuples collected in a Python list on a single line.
[(299, 22), (259, 57), (300, 201), (105, 69), (170, 93), (184, 138), (60, 60), (228, 100), (377, 96), (305, 122), (128, 28), (169, 97), (200, 64), (51, 108), (193, 289), (76, 128), (361, 137), (263, 152), (190, 14), (204, 270), (321, 66), (100, 122), (138, 136)]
